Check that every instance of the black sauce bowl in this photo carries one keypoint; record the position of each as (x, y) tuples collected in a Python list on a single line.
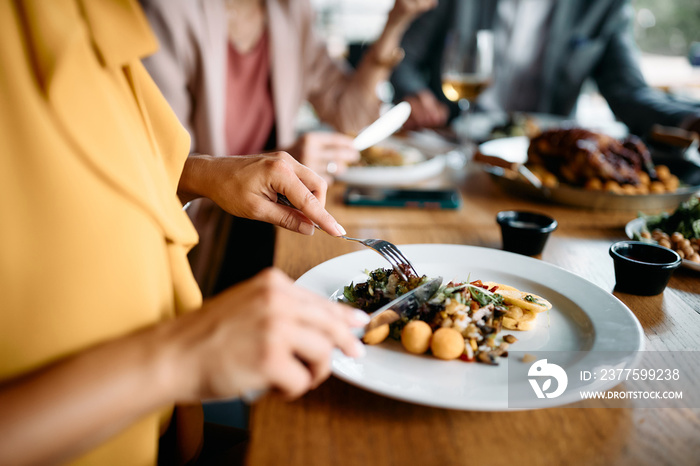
[(643, 268), (525, 232)]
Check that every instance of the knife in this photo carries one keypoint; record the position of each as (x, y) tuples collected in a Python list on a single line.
[(391, 121), (403, 306)]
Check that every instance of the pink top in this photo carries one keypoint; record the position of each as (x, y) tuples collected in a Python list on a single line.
[(250, 113)]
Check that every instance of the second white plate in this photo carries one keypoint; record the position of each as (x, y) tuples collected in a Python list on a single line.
[(394, 176)]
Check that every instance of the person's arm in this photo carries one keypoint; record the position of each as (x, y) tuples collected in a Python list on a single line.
[(378, 62), (348, 100), (264, 333), (423, 40), (248, 186), (620, 81), (414, 79)]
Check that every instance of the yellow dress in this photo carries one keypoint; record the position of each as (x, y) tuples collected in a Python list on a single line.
[(93, 239)]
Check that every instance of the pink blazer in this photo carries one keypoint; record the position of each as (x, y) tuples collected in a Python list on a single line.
[(191, 64), (190, 70)]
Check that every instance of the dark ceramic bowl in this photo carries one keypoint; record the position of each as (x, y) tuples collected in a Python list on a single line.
[(525, 232), (643, 268)]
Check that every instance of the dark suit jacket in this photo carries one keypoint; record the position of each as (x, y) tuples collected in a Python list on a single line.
[(588, 39)]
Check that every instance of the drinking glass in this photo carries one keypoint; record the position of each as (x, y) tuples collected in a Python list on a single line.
[(467, 69)]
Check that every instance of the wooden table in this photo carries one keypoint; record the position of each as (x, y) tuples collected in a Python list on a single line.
[(342, 425)]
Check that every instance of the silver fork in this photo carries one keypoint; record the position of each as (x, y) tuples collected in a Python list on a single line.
[(390, 252), (387, 250)]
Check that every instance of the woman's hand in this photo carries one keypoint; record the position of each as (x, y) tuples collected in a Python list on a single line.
[(264, 333), (328, 154), (426, 111), (247, 186)]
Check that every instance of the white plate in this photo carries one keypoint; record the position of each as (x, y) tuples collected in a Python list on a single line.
[(513, 149), (479, 126), (394, 176), (584, 318), (634, 227), (427, 165)]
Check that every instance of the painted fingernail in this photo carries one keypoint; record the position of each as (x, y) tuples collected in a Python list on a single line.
[(340, 229), (306, 229), (360, 350), (361, 317)]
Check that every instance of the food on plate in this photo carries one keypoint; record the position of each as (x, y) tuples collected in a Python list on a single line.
[(461, 320), (595, 161), (527, 302), (416, 336), (679, 230), (376, 335), (687, 248), (389, 155), (447, 343)]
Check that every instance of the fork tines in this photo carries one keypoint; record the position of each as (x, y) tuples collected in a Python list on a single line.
[(396, 259)]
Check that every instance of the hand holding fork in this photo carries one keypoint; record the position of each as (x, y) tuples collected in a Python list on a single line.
[(387, 250)]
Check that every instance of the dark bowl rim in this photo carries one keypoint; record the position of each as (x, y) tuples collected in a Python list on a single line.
[(503, 218), (613, 251)]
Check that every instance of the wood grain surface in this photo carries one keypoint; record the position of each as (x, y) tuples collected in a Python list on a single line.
[(343, 425)]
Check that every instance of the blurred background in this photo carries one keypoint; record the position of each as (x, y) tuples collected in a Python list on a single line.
[(667, 33)]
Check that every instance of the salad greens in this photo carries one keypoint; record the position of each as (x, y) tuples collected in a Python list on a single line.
[(382, 286), (685, 219), (484, 297)]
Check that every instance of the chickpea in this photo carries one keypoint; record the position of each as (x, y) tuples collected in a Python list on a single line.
[(671, 183), (447, 343), (613, 187), (695, 258), (681, 253), (695, 246), (629, 189), (645, 234), (657, 187), (688, 251), (662, 172), (665, 243), (643, 189), (376, 335), (676, 237), (644, 178), (415, 337), (684, 243), (594, 184)]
